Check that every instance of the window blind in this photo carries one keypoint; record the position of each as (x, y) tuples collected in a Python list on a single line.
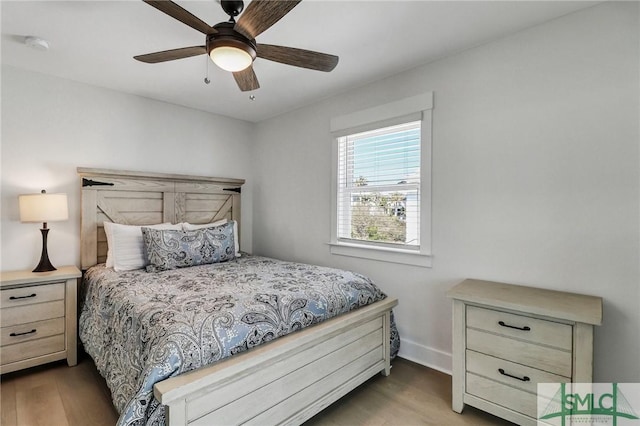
[(379, 186)]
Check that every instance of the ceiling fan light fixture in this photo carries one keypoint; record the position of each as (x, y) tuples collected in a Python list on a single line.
[(229, 49), (231, 58)]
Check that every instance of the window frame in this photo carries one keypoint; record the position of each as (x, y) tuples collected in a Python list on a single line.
[(415, 108)]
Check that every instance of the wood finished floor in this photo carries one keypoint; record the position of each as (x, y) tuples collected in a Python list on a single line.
[(56, 395)]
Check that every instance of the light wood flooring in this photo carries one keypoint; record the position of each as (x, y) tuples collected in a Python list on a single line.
[(56, 395)]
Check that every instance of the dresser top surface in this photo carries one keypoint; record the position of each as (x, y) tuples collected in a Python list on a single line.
[(550, 303), (11, 278)]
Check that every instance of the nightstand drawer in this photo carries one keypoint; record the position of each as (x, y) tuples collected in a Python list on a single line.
[(30, 331), (510, 373), (503, 395), (521, 327), (32, 294), (31, 313), (555, 361), (32, 349)]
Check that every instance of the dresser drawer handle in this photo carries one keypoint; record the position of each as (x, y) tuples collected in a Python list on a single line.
[(22, 334), (523, 378), (525, 328), (22, 297)]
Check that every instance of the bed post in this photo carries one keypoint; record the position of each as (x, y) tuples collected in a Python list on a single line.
[(386, 326), (177, 413), (89, 229), (235, 213)]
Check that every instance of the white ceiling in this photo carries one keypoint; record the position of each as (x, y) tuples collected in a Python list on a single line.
[(94, 42)]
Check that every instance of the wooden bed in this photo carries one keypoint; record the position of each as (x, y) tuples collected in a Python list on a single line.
[(299, 374)]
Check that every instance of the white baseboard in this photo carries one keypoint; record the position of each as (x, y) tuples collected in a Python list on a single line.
[(425, 355)]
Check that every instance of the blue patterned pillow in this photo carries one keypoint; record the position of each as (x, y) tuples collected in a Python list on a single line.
[(171, 249)]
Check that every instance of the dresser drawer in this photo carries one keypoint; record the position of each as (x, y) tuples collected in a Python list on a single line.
[(32, 349), (30, 331), (552, 360), (521, 327), (509, 373), (32, 294), (32, 313), (514, 399)]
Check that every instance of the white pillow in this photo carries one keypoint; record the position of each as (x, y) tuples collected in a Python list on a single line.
[(126, 247), (191, 227)]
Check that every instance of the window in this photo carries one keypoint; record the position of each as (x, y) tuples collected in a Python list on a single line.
[(381, 186)]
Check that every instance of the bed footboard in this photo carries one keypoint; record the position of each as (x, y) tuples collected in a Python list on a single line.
[(286, 381)]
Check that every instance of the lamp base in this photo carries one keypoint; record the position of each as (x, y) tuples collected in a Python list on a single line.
[(45, 264)]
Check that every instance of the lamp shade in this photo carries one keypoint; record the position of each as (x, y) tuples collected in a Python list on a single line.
[(43, 207)]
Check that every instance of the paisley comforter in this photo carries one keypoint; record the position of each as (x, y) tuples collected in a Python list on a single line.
[(141, 328)]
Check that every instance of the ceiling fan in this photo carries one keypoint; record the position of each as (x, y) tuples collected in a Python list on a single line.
[(232, 45)]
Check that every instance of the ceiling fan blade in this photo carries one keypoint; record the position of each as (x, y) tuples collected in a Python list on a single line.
[(262, 14), (298, 57), (171, 55), (182, 15), (246, 79)]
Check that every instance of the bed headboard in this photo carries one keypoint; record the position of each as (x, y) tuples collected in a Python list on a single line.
[(139, 198)]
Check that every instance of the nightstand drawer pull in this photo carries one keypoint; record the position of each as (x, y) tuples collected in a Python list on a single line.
[(525, 328), (22, 297), (22, 334), (523, 378)]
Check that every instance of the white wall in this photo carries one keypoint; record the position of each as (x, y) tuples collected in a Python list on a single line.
[(535, 179), (50, 126)]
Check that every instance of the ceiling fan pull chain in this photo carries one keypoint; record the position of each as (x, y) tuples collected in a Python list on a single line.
[(206, 78)]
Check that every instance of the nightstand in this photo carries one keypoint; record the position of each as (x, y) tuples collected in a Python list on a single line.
[(38, 322), (509, 338)]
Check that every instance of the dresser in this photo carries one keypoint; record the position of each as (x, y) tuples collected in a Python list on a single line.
[(509, 338), (38, 322)]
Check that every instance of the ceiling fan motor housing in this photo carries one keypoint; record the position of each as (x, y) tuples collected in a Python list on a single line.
[(227, 36), (232, 7)]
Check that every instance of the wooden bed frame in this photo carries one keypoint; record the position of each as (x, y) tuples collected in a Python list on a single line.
[(286, 381)]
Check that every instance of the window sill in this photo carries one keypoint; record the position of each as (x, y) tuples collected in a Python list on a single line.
[(383, 254)]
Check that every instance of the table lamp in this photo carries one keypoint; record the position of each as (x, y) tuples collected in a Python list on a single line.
[(43, 208)]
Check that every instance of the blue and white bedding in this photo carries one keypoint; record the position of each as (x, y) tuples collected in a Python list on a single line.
[(141, 328)]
